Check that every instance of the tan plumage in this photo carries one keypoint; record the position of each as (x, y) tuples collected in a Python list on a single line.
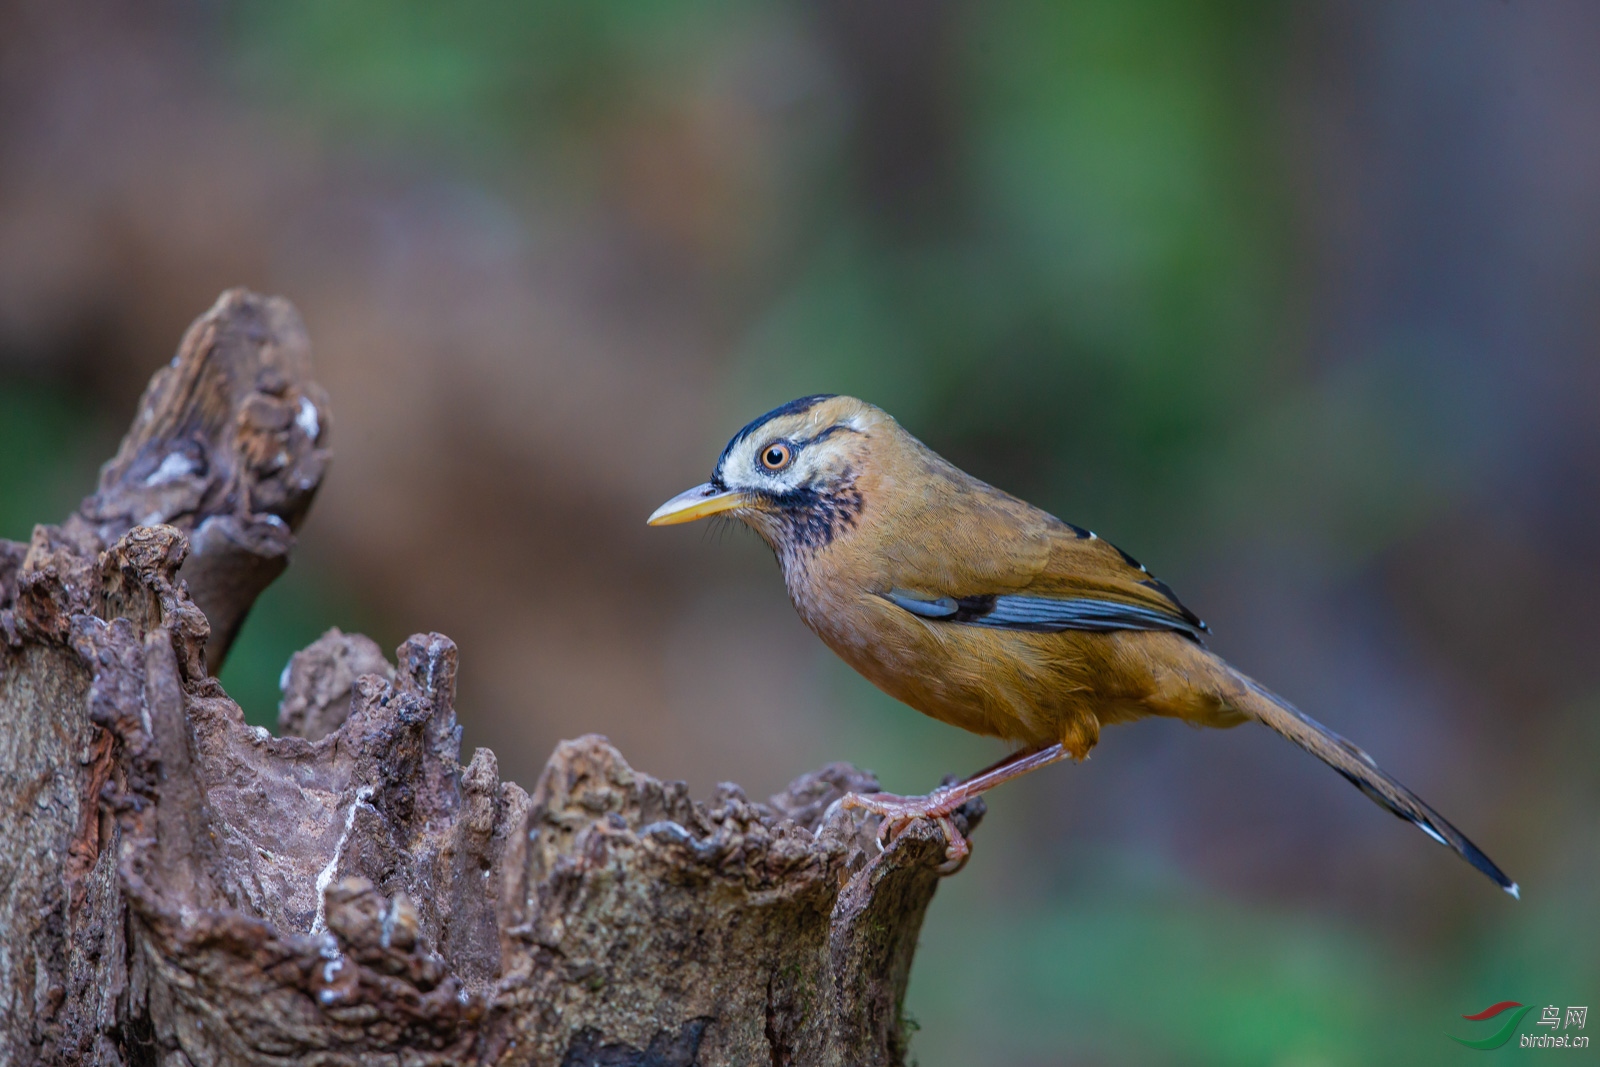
[(983, 611)]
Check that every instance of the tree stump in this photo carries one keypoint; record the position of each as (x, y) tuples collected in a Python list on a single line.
[(180, 888)]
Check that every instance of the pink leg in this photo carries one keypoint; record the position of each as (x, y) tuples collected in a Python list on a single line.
[(898, 812)]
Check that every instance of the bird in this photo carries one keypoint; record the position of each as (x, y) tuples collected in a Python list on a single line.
[(987, 613)]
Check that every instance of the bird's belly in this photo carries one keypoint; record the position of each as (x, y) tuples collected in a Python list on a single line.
[(985, 681), (1030, 688)]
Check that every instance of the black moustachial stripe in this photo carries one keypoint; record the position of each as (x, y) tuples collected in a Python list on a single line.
[(814, 517)]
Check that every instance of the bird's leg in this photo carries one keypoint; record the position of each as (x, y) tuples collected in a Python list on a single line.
[(898, 812)]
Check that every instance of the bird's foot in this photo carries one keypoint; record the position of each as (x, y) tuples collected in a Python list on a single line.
[(900, 812), (941, 804)]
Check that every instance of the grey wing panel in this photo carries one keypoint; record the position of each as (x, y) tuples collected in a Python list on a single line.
[(943, 607), (1044, 614), (1079, 613)]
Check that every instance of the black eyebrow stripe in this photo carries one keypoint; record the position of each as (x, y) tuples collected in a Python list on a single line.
[(793, 407), (796, 447), (837, 427)]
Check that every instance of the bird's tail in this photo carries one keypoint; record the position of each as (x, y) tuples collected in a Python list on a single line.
[(1260, 703)]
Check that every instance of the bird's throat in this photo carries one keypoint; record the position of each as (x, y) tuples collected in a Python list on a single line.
[(805, 521)]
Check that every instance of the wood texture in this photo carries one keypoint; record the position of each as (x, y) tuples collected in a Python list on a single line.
[(180, 888)]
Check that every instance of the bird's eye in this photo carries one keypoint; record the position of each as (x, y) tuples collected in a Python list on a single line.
[(777, 456)]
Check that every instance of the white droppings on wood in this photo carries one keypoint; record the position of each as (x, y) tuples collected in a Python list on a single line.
[(308, 420), (326, 875), (176, 465), (389, 915)]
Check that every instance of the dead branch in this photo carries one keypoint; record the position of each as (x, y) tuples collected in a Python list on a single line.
[(179, 888)]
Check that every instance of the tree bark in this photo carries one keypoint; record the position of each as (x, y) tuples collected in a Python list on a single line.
[(179, 888)]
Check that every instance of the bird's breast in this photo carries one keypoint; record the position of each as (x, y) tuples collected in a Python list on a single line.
[(982, 681)]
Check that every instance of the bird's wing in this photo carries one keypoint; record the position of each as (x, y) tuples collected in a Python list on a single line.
[(989, 559), (1043, 614), (1084, 566)]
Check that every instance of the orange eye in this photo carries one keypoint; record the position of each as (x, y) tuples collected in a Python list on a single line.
[(777, 456)]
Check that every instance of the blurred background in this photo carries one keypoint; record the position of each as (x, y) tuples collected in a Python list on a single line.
[(1296, 302)]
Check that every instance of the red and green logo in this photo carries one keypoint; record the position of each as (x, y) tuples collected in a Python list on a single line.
[(1560, 1026), (1504, 1034), (1500, 1036)]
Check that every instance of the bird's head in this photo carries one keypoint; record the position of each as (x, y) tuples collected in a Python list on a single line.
[(790, 475)]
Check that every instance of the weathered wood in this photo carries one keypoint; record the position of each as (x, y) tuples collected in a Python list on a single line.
[(179, 888)]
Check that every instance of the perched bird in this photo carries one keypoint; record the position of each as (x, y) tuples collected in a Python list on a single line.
[(985, 612)]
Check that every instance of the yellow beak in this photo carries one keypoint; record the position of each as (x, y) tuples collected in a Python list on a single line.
[(697, 503)]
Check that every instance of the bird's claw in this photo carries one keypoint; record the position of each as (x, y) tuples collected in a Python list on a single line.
[(898, 813)]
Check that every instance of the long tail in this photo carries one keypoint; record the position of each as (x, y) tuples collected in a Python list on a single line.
[(1260, 703)]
